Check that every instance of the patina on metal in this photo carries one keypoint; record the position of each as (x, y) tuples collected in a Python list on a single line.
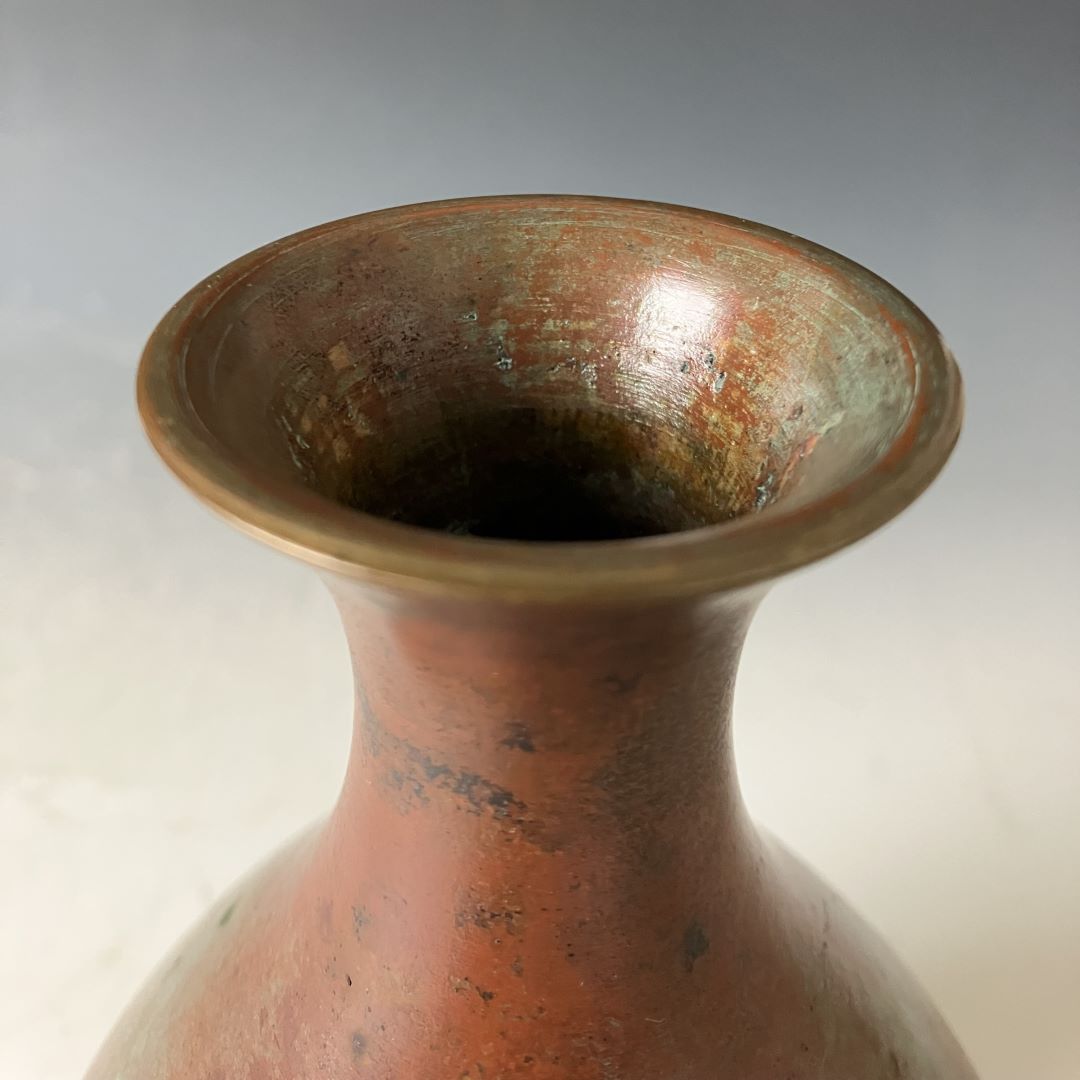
[(547, 452)]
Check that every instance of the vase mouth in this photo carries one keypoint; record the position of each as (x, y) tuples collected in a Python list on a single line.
[(843, 402)]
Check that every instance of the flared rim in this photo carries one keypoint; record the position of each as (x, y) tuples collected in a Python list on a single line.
[(743, 551)]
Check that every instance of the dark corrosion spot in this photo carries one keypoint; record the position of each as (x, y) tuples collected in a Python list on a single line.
[(487, 995), (478, 792), (348, 980), (486, 918), (501, 800), (360, 919), (695, 945), (433, 770), (622, 684), (519, 739), (227, 914), (359, 1044)]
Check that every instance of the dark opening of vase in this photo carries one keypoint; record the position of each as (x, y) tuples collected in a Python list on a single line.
[(566, 474)]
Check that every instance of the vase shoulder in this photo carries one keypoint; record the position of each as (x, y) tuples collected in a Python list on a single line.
[(289, 969)]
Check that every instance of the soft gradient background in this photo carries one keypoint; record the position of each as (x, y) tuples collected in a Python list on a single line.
[(174, 700)]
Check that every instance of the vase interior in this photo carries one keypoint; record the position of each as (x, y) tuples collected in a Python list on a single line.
[(551, 372)]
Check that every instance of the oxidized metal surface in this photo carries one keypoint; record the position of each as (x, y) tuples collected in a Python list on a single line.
[(539, 865)]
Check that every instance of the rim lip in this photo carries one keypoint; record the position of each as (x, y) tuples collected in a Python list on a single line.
[(746, 550)]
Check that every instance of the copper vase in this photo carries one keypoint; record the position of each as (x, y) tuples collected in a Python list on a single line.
[(547, 452)]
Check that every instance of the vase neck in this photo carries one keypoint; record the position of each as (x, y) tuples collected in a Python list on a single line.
[(549, 721), (540, 801)]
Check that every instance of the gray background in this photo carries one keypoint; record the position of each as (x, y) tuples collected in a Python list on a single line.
[(174, 700)]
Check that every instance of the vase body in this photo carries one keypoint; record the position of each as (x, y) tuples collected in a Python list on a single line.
[(539, 864)]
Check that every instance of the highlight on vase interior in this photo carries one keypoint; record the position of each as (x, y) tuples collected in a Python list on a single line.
[(547, 453)]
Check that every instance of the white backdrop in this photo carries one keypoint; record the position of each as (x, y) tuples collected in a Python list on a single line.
[(174, 700)]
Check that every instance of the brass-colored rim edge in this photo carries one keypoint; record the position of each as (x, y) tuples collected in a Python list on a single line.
[(738, 553)]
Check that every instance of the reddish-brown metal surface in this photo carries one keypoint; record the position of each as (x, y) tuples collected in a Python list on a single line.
[(540, 865)]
